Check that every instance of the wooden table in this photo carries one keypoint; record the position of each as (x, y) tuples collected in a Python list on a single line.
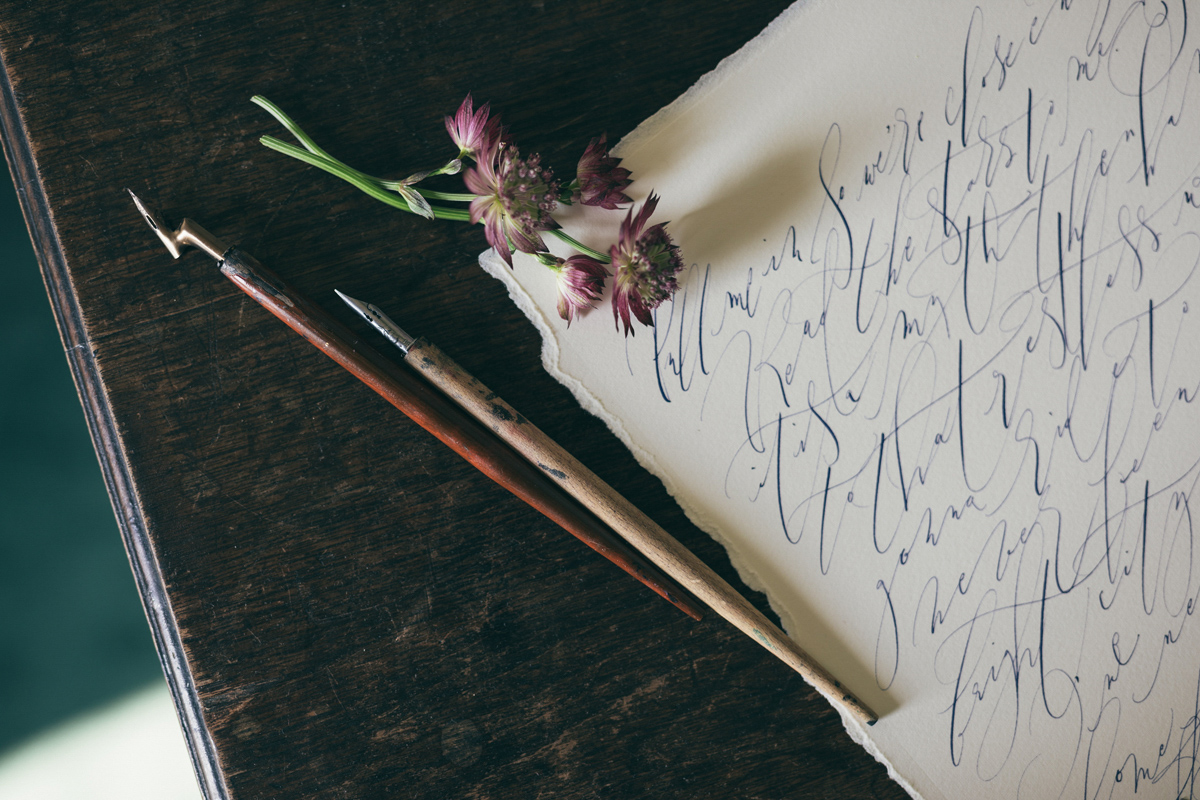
[(342, 606)]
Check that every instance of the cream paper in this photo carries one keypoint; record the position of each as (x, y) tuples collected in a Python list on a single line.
[(931, 376)]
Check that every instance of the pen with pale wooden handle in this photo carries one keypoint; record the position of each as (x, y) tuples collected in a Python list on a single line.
[(621, 515)]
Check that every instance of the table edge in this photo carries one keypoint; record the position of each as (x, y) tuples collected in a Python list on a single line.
[(110, 451)]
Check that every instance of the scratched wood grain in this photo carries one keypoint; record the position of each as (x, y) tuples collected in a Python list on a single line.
[(343, 607)]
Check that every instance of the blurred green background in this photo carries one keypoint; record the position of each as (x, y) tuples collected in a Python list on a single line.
[(72, 632)]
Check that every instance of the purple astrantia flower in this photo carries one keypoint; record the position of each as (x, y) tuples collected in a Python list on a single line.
[(471, 129), (601, 181), (580, 282), (516, 198), (645, 264)]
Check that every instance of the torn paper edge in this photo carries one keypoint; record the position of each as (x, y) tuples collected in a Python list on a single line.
[(491, 263), (654, 126)]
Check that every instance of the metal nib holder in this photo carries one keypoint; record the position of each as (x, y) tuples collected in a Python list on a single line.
[(188, 234)]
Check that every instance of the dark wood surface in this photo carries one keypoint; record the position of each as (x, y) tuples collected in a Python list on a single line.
[(345, 608)]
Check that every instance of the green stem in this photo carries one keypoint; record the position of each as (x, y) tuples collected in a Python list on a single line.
[(357, 179), (294, 129), (311, 146), (429, 194), (583, 248)]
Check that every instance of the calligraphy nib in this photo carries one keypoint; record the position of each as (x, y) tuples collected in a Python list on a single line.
[(380, 322)]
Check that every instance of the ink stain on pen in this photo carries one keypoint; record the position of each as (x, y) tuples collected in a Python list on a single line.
[(762, 637)]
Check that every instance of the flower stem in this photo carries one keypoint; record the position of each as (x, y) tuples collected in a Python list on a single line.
[(587, 251), (294, 129), (311, 146), (357, 179), (430, 194)]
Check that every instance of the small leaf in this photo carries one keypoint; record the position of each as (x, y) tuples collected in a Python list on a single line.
[(416, 203), (417, 177)]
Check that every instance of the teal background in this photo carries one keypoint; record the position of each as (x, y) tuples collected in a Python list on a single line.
[(72, 632)]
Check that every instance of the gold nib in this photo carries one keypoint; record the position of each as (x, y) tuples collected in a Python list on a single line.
[(188, 234)]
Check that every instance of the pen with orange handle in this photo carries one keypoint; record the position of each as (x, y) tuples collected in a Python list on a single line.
[(612, 508), (428, 408)]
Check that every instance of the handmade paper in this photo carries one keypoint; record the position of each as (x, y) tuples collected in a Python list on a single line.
[(932, 372)]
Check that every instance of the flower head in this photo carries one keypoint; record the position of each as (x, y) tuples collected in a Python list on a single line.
[(645, 264), (602, 182), (580, 282), (471, 129), (516, 198)]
